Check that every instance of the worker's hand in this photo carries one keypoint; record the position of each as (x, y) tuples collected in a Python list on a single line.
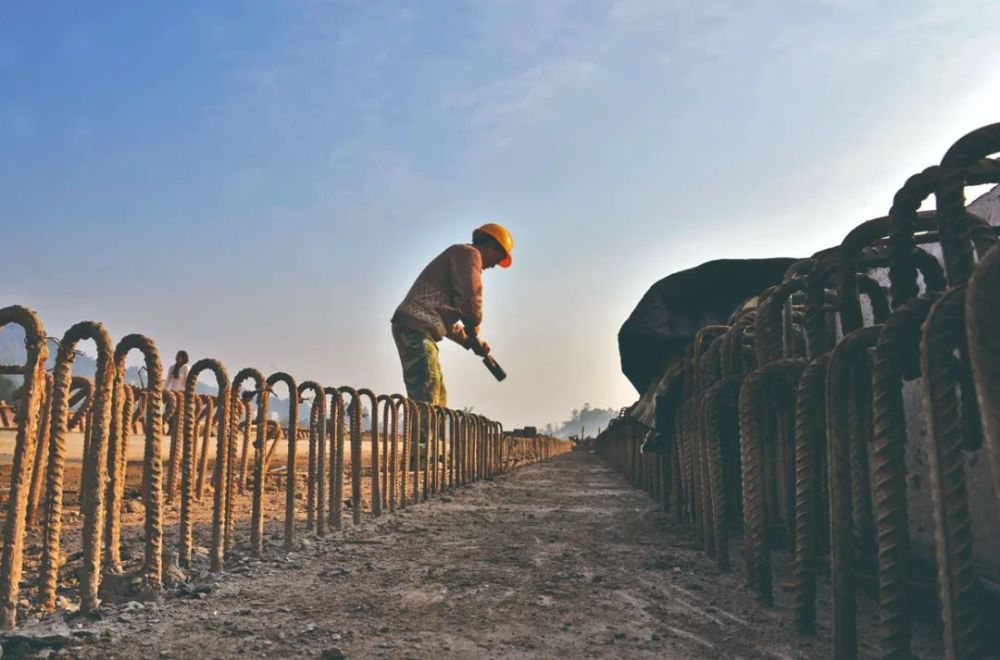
[(479, 347)]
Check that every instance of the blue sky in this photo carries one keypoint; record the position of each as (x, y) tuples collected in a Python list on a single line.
[(261, 181)]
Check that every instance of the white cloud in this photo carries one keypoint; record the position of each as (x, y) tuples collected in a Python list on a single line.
[(642, 11), (523, 97)]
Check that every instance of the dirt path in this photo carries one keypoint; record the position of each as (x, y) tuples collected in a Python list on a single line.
[(560, 559)]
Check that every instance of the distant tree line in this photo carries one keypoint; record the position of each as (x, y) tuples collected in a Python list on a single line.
[(8, 387), (585, 419)]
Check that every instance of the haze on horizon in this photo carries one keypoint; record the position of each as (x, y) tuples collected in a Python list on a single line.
[(260, 182)]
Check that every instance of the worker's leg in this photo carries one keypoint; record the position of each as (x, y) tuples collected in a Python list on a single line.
[(418, 355)]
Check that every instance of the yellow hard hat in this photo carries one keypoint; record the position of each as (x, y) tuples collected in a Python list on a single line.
[(500, 234)]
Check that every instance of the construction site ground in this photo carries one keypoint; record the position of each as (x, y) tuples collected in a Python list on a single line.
[(559, 559)]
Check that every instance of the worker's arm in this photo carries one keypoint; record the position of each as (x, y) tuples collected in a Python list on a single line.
[(470, 342), (466, 277)]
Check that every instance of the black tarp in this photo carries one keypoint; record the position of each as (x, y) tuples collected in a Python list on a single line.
[(673, 310)]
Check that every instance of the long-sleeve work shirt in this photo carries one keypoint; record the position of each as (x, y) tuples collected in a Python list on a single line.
[(448, 291)]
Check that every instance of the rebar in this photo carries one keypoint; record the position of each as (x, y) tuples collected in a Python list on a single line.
[(376, 491), (290, 479), (41, 453), (896, 358), (33, 370), (93, 470), (944, 331), (353, 410), (185, 544), (982, 319), (317, 432), (810, 444), (842, 540), (108, 410)]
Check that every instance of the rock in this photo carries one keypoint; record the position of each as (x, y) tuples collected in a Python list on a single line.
[(84, 633), (200, 591), (24, 643), (133, 605), (174, 574), (332, 653)]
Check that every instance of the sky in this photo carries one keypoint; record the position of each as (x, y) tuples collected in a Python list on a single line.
[(260, 181)]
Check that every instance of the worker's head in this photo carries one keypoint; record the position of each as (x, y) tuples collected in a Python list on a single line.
[(182, 359), (495, 244)]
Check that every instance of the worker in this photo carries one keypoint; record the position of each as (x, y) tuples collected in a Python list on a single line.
[(446, 301), (175, 382), (177, 374)]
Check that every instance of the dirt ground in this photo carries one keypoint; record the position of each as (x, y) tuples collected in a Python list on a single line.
[(560, 558)]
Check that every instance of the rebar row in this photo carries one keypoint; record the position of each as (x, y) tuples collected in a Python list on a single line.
[(789, 424), (417, 451)]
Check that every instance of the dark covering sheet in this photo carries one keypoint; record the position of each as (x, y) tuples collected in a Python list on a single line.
[(673, 310)]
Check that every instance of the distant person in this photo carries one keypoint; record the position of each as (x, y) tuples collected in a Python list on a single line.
[(177, 374), (446, 301)]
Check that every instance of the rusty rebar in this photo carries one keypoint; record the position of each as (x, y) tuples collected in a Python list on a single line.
[(774, 379), (982, 318), (152, 465), (387, 407), (944, 332), (718, 402), (810, 444), (408, 430), (337, 459), (317, 433), (322, 458), (955, 232), (189, 450), (41, 452), (353, 410), (896, 358), (93, 470), (176, 440), (397, 401), (376, 491), (842, 538), (206, 430), (290, 468), (33, 370), (117, 445)]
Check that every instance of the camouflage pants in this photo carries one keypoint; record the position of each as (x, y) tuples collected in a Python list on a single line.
[(418, 354)]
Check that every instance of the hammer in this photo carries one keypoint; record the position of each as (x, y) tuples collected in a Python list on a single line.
[(494, 368), (491, 364)]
